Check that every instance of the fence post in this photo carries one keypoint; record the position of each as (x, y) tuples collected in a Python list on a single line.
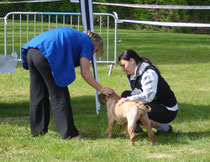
[(5, 36)]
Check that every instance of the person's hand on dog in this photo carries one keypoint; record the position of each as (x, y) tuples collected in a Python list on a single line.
[(107, 91), (121, 101)]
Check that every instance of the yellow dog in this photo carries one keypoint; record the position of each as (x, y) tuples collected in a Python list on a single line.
[(126, 114)]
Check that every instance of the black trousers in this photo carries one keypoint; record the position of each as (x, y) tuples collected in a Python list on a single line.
[(43, 86), (159, 113)]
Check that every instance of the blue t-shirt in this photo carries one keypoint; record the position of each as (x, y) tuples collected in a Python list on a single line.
[(62, 47)]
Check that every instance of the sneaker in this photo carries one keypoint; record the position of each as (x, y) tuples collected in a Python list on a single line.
[(137, 129), (79, 138), (165, 132)]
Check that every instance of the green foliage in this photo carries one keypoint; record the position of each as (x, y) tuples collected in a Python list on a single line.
[(62, 6), (199, 16)]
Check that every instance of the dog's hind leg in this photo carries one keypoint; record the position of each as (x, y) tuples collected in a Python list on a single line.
[(145, 121), (130, 129), (126, 129)]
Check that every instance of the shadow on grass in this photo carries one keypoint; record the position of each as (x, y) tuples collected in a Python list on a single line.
[(188, 112), (95, 126), (84, 106), (172, 138), (181, 137), (14, 109)]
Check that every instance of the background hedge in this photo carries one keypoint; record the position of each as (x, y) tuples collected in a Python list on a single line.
[(198, 16)]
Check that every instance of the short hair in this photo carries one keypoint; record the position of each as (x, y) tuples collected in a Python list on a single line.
[(97, 41)]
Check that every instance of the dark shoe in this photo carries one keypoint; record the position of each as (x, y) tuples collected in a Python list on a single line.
[(170, 129), (137, 129), (41, 133)]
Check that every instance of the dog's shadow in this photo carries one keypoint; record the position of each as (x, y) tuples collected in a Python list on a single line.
[(179, 137), (172, 138)]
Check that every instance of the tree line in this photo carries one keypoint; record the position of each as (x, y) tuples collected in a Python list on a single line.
[(197, 16)]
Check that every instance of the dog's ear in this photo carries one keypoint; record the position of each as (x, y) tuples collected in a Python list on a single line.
[(102, 98)]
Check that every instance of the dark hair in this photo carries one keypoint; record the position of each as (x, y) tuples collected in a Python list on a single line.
[(127, 54)]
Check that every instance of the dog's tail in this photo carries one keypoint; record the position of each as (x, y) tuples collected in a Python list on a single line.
[(141, 106)]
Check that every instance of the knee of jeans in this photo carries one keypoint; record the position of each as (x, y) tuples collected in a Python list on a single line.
[(59, 104)]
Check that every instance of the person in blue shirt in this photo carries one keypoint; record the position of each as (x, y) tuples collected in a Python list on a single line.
[(51, 58), (149, 87)]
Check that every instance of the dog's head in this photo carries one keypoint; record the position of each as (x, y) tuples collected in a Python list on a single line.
[(102, 99)]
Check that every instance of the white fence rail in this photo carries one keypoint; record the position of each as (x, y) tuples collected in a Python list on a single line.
[(171, 24), (1, 35), (20, 27)]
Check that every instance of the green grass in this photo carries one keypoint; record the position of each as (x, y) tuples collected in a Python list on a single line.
[(184, 61)]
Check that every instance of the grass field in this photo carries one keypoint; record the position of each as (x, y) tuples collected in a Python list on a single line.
[(184, 61)]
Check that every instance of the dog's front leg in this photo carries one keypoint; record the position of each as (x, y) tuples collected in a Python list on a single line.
[(110, 126)]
